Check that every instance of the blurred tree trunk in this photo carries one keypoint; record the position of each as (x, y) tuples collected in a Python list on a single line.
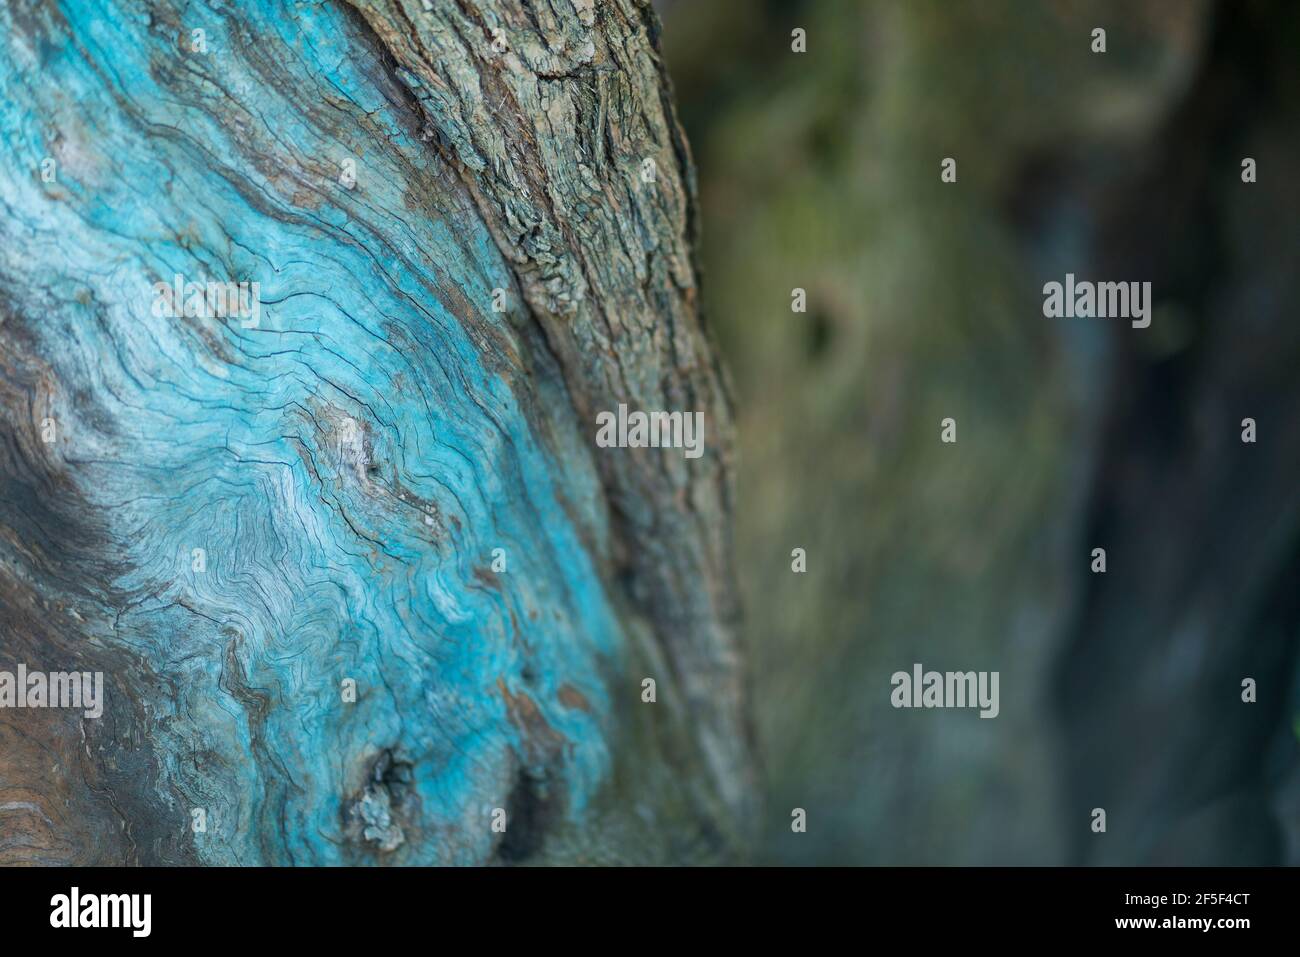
[(1202, 529), (821, 171)]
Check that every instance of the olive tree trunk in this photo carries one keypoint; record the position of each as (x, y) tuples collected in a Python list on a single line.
[(360, 583)]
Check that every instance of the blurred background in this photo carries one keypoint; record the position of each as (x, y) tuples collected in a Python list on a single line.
[(1121, 690)]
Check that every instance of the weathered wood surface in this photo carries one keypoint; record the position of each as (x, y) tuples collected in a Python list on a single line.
[(349, 463)]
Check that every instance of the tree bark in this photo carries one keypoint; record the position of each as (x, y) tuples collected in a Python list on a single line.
[(471, 229)]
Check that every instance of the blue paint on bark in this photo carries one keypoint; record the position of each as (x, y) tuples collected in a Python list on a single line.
[(348, 465)]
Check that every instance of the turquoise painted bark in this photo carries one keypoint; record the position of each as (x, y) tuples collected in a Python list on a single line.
[(387, 462)]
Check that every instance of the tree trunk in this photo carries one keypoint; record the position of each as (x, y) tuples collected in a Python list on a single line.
[(375, 476)]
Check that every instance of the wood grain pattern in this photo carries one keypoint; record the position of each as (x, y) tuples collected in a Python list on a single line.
[(350, 462)]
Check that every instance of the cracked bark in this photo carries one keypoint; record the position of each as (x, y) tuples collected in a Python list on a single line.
[(349, 463)]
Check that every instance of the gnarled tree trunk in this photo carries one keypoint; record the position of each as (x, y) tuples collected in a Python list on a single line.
[(470, 228)]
